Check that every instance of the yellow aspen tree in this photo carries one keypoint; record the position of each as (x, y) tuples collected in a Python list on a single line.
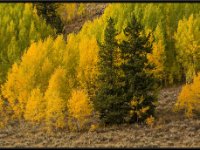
[(187, 38), (71, 55), (87, 70), (18, 30), (58, 49), (33, 71), (81, 9), (27, 74), (67, 11), (46, 71), (35, 108), (10, 91), (56, 102), (79, 109), (195, 100), (157, 57), (183, 100), (3, 113), (189, 97)]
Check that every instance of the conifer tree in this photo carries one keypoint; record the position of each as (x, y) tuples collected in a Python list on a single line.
[(139, 83), (109, 99), (49, 12)]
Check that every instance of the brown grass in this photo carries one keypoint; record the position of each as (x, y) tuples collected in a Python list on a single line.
[(170, 130)]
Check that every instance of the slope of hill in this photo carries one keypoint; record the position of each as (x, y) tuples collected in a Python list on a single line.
[(93, 10), (170, 130)]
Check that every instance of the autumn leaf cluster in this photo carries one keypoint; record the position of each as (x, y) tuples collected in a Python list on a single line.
[(51, 80)]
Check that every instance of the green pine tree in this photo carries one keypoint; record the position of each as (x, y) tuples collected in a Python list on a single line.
[(49, 12), (109, 100), (139, 84)]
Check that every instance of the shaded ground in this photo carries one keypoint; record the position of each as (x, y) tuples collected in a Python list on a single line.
[(171, 130)]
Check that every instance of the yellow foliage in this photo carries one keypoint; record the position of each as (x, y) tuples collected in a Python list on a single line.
[(136, 109), (4, 113), (10, 90), (157, 57), (81, 9), (187, 40), (80, 109), (55, 98), (1, 113), (189, 98), (45, 74), (87, 70), (34, 70), (35, 107), (22, 78), (134, 103), (144, 110), (67, 11), (93, 127), (150, 121)]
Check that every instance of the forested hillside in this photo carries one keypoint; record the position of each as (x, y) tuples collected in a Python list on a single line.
[(80, 66)]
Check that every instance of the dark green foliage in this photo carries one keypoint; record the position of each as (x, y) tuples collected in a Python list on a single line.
[(138, 82), (120, 85), (110, 96), (49, 13)]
